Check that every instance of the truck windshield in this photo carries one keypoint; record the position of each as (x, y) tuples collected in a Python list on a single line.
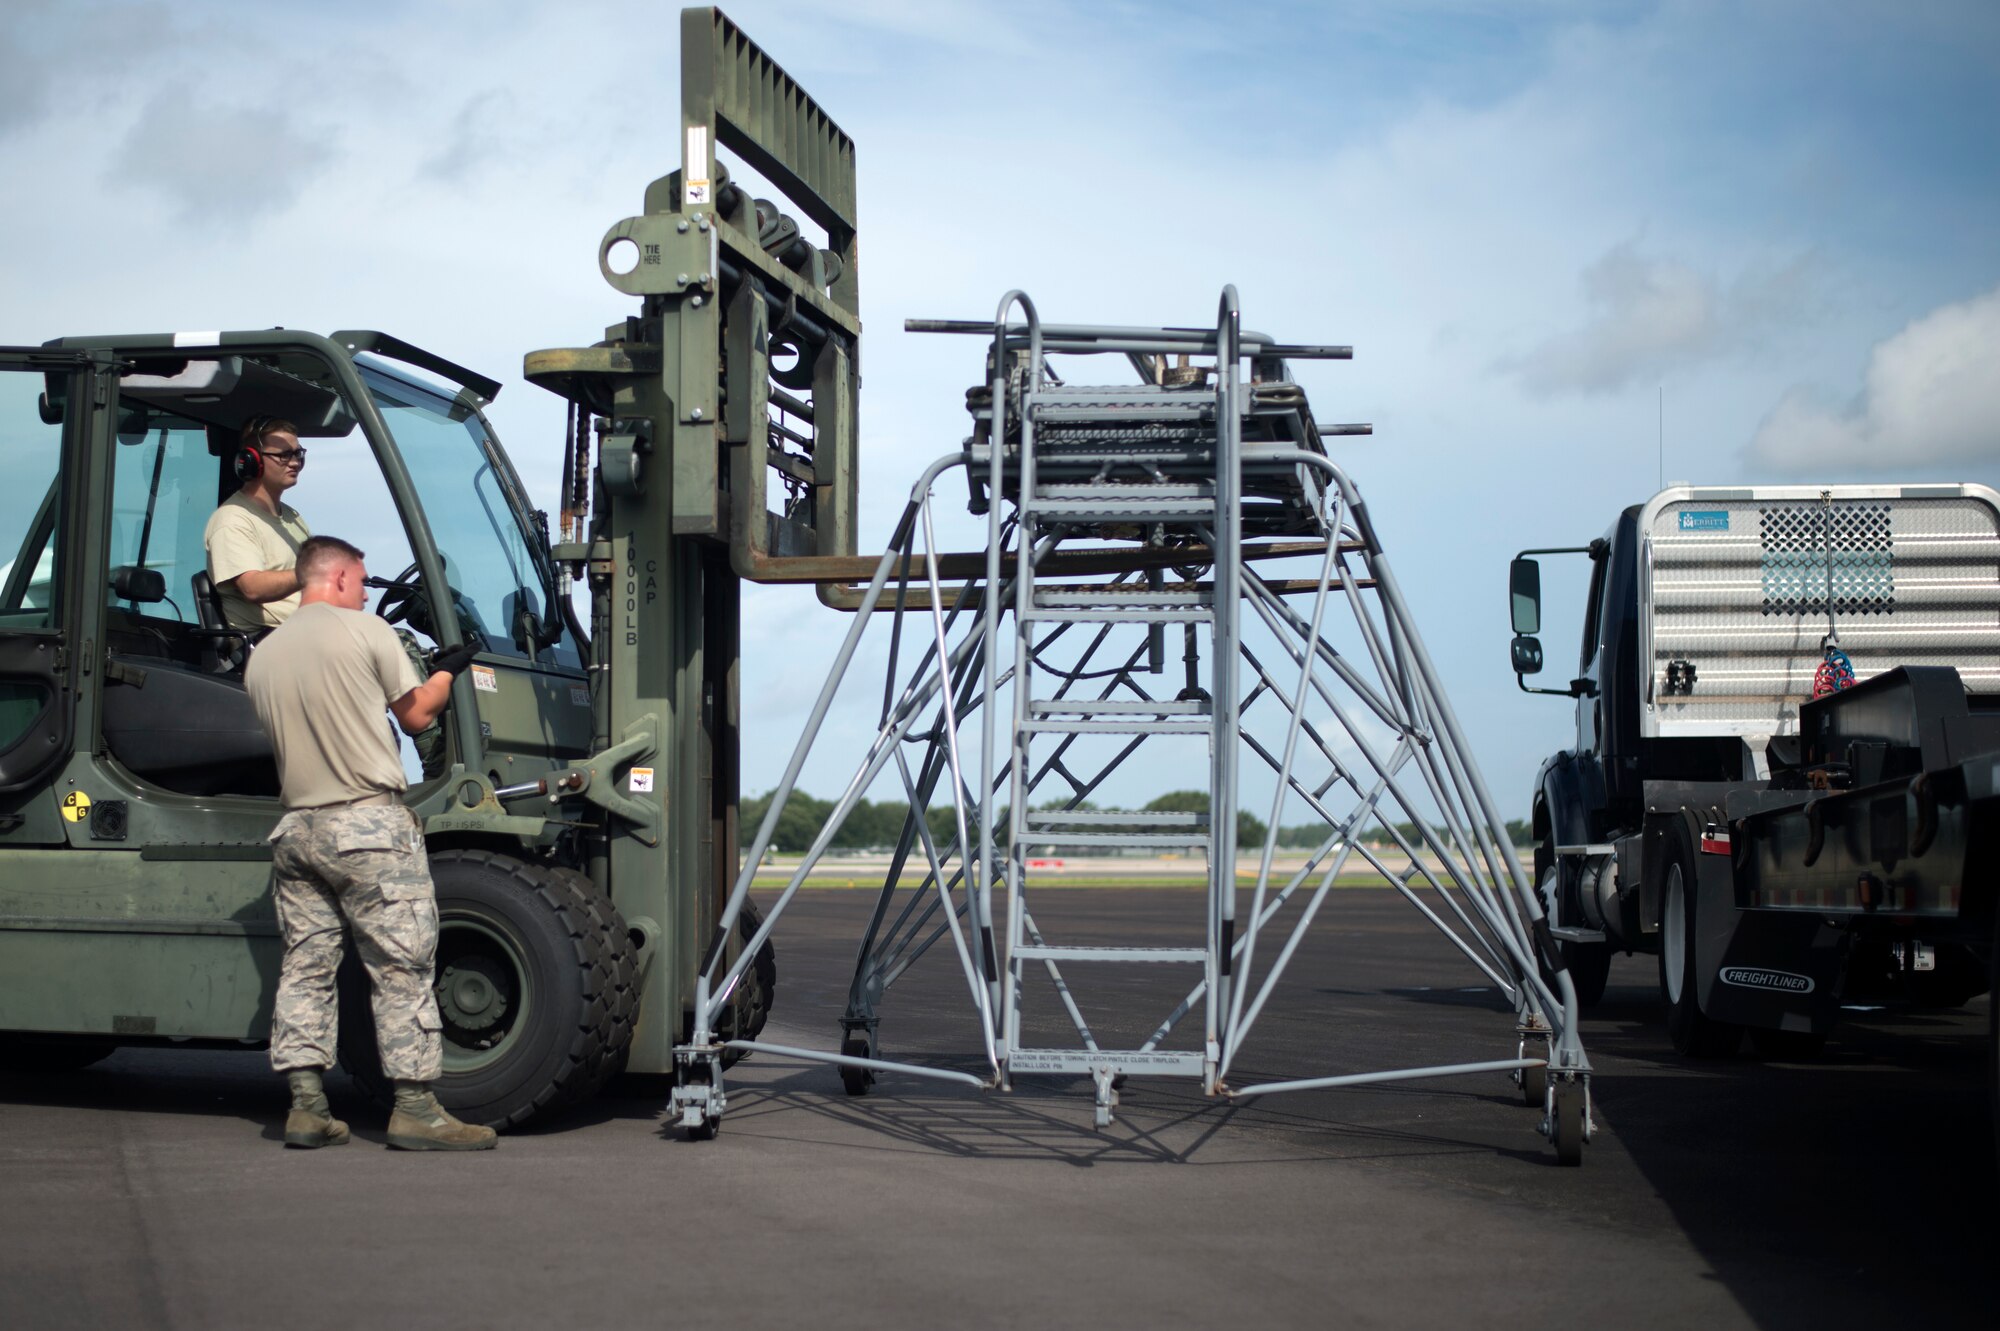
[(477, 517)]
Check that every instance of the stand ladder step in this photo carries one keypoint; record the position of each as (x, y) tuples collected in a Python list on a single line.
[(1048, 952), (1118, 840)]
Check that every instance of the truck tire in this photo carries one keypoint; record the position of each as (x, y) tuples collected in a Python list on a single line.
[(527, 980), (1692, 1033), (1589, 970), (1993, 1039)]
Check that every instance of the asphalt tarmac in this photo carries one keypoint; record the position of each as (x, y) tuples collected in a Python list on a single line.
[(151, 1189)]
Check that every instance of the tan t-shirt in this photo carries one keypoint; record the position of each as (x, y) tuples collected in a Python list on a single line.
[(242, 537), (321, 684)]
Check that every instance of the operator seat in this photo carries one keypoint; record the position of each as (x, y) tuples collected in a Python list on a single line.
[(189, 730), (227, 648)]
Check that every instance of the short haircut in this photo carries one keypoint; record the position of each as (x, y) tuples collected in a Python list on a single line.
[(320, 554), (259, 428)]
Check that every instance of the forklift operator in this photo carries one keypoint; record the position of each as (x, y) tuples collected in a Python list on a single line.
[(348, 853), (253, 539)]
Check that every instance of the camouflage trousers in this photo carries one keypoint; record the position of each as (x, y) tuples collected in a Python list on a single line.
[(358, 868)]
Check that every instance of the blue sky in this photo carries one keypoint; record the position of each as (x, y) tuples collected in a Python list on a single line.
[(1533, 221)]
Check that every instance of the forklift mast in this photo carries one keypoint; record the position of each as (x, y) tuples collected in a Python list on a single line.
[(712, 439)]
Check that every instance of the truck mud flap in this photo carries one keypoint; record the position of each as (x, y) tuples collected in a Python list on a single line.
[(1767, 970)]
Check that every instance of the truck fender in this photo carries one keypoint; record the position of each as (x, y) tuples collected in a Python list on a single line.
[(1769, 970), (1565, 791)]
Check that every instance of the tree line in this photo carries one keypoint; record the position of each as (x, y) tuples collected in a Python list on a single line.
[(878, 824)]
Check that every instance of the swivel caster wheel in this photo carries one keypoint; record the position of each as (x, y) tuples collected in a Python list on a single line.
[(1567, 1122), (1534, 1082), (856, 1081)]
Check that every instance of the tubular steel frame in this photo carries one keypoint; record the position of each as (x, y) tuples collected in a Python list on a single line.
[(1386, 745)]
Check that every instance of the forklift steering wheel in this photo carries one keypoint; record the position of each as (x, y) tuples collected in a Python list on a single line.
[(403, 600)]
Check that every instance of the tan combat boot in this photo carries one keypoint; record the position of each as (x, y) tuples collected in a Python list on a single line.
[(420, 1123), (311, 1123)]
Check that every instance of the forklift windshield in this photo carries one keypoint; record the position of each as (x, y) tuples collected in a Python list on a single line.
[(500, 579)]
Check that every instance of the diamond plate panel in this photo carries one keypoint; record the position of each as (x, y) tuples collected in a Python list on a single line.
[(1740, 589)]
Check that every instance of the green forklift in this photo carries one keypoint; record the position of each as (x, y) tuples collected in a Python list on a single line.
[(580, 802)]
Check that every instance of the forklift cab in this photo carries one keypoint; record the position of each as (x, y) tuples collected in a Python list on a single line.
[(112, 652), (137, 789)]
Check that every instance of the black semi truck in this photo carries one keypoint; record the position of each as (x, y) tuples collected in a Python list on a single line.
[(1785, 780)]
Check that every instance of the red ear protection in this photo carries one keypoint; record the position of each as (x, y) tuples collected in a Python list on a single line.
[(249, 461)]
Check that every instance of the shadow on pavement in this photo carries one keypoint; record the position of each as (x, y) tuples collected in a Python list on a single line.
[(1832, 1192)]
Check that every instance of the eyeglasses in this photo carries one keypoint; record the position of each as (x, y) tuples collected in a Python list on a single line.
[(287, 456)]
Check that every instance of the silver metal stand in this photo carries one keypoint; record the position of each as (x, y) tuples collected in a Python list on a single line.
[(1192, 486)]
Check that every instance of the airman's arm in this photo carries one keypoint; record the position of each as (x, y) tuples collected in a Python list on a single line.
[(415, 710), (263, 585)]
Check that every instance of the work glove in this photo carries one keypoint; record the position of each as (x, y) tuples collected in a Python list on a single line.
[(453, 660)]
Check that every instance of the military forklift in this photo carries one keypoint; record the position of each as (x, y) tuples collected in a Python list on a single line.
[(580, 805)]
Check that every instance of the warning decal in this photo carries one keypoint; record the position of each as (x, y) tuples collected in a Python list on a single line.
[(76, 806)]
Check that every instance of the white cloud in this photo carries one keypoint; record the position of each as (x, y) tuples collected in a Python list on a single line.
[(1650, 315), (478, 133), (1932, 395), (219, 163)]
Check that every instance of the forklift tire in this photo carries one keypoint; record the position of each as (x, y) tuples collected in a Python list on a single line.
[(750, 1005), (527, 983), (1692, 1033), (621, 983)]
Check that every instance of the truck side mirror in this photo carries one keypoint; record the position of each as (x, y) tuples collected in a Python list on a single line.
[(1527, 653), (1524, 590)]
